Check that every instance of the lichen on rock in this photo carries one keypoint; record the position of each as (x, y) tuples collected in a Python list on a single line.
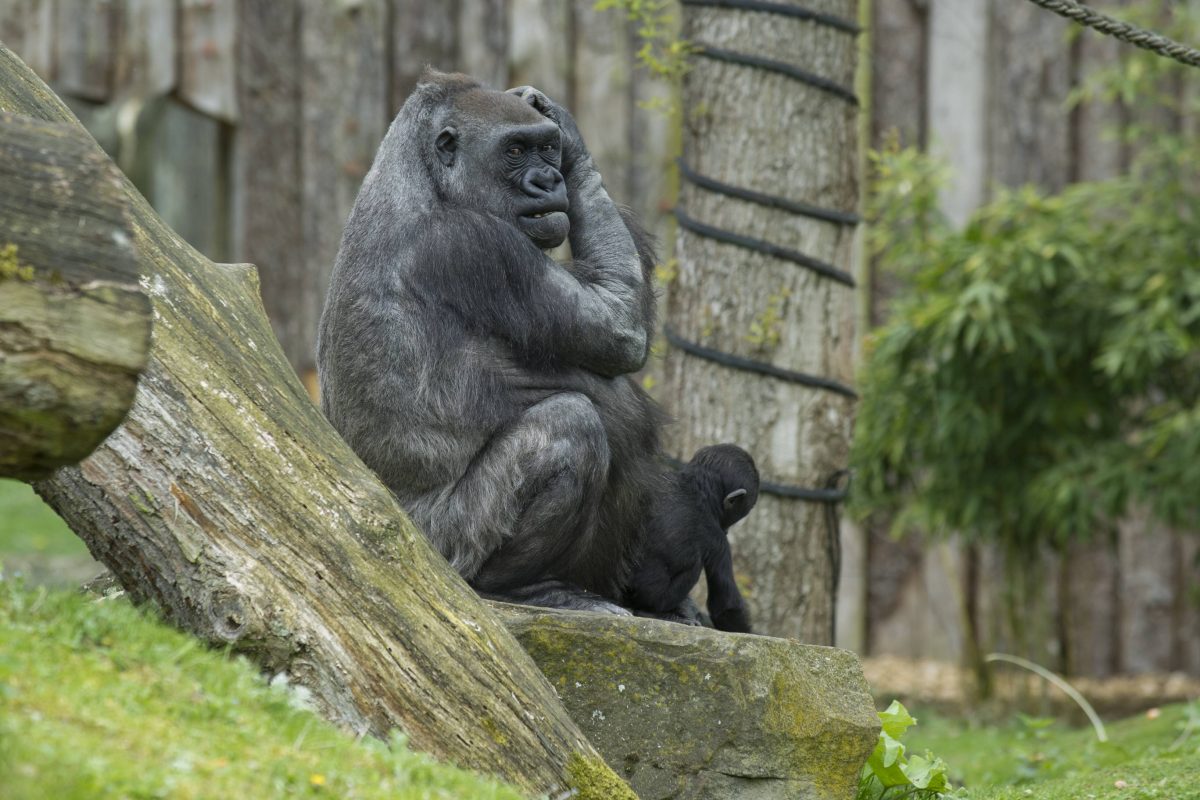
[(690, 712)]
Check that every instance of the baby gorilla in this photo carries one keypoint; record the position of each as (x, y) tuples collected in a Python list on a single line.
[(686, 531)]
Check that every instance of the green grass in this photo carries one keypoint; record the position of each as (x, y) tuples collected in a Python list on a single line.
[(1032, 759), (29, 527), (98, 699)]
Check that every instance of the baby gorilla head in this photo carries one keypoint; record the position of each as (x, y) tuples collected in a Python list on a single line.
[(497, 154), (728, 480)]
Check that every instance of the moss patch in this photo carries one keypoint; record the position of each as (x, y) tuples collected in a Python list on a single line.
[(592, 778), (10, 267)]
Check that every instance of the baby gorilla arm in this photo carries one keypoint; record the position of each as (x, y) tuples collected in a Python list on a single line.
[(725, 603)]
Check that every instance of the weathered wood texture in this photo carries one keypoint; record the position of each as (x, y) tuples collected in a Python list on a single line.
[(74, 324), (208, 56), (799, 435), (268, 175), (227, 500)]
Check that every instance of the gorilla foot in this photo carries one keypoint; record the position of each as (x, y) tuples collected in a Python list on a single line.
[(558, 594)]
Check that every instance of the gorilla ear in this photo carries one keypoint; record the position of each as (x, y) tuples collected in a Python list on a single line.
[(447, 145), (734, 497)]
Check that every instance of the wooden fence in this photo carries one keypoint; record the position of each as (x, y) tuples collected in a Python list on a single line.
[(249, 124), (984, 83)]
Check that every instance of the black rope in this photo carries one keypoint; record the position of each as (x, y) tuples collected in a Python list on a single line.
[(782, 203), (758, 245), (761, 367), (782, 67), (833, 548), (832, 496), (829, 20)]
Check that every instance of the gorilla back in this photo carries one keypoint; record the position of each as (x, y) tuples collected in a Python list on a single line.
[(485, 383)]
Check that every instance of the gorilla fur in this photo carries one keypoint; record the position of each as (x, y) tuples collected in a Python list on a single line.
[(687, 533), (483, 382)]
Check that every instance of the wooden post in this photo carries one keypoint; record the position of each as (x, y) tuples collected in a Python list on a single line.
[(770, 110)]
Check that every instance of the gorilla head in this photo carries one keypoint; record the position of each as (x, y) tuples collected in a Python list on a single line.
[(497, 154), (730, 481)]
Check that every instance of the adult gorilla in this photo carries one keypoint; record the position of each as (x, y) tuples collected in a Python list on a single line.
[(484, 382)]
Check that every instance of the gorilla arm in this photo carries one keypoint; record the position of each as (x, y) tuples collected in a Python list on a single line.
[(725, 603), (612, 254)]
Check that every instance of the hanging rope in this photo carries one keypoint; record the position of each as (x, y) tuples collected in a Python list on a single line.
[(1139, 37)]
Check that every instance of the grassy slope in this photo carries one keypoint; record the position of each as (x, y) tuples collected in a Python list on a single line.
[(101, 700), (1153, 757)]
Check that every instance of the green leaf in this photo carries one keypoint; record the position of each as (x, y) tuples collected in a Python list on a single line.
[(896, 719)]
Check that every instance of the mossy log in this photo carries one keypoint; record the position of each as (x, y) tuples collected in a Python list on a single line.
[(227, 500), (74, 325), (685, 712)]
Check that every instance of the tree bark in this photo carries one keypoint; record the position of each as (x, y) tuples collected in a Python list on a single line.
[(761, 130), (74, 325), (228, 501)]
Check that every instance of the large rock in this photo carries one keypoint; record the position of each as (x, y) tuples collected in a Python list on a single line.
[(685, 712)]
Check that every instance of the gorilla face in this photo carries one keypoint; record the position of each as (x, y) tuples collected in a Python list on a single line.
[(502, 157)]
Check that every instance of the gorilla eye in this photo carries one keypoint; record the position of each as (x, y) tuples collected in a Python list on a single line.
[(516, 151), (548, 148)]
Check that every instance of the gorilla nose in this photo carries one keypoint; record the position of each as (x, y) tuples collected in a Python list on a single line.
[(542, 182)]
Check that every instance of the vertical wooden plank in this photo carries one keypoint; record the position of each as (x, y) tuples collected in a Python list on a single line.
[(936, 85), (1149, 554), (899, 102), (1092, 602), (483, 32), (27, 28), (207, 63), (653, 143), (180, 166), (914, 592), (146, 57), (539, 46), (1091, 609), (344, 103), (1097, 152), (899, 61), (424, 33), (1029, 71), (602, 73), (86, 49), (1187, 626), (266, 174), (958, 101)]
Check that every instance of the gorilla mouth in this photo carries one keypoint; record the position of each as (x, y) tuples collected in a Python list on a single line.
[(547, 229)]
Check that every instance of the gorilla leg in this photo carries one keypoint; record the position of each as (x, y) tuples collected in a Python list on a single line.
[(527, 504)]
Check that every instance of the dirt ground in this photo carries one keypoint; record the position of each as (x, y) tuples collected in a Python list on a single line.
[(949, 688)]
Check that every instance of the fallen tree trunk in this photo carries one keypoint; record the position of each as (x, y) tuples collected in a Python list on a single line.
[(228, 501), (74, 326)]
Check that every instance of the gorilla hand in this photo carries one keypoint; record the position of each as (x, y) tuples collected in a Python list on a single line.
[(573, 149)]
